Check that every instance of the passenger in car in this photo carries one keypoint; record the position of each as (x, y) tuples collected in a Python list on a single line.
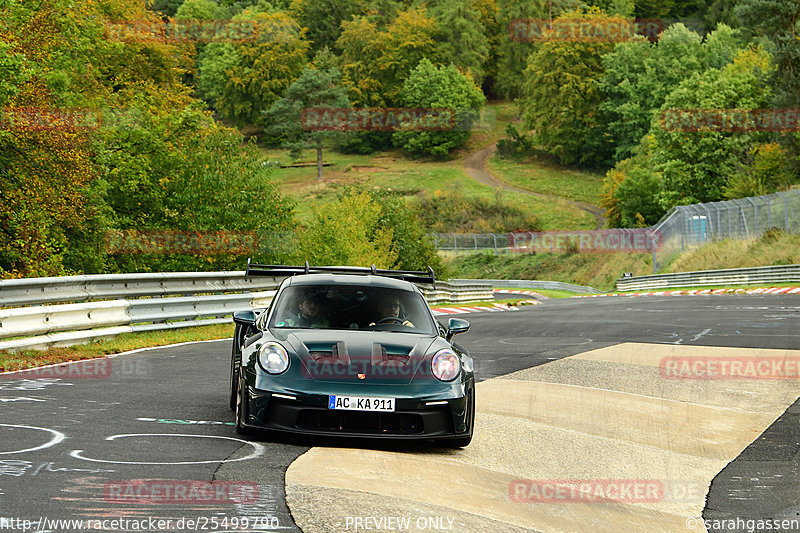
[(310, 312)]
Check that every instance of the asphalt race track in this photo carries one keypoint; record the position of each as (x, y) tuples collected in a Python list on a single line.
[(570, 390)]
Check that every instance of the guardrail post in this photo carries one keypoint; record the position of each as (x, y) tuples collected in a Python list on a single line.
[(730, 227), (683, 231), (475, 240), (495, 243), (769, 214), (755, 216), (785, 212)]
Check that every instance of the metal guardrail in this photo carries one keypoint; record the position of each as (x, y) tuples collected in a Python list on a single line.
[(534, 284), (206, 298), (474, 290), (734, 276), (32, 291)]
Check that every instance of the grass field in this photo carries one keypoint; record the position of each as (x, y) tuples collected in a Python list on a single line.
[(119, 344), (393, 170), (547, 178)]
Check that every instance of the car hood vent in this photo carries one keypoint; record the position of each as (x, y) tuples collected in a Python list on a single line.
[(362, 357), (335, 352)]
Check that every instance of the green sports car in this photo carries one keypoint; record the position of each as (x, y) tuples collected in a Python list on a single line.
[(351, 351)]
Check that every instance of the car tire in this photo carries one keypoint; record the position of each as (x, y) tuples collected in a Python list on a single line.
[(462, 442), (241, 429), (234, 377)]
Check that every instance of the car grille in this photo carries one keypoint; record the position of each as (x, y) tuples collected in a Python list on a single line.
[(360, 422)]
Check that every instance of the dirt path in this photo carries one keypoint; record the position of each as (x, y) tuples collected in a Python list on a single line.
[(475, 165)]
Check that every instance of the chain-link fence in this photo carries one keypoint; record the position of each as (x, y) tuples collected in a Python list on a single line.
[(687, 226), (681, 228)]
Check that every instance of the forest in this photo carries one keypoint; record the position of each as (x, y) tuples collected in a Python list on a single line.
[(151, 115)]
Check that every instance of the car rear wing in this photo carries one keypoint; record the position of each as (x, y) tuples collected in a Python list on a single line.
[(417, 276)]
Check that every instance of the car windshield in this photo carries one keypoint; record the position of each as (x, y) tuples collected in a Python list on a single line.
[(352, 307)]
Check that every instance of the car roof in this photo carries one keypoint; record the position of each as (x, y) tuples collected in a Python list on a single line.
[(349, 279)]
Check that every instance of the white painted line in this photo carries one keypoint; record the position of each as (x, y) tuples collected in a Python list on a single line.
[(258, 450), (38, 368), (138, 350), (57, 437)]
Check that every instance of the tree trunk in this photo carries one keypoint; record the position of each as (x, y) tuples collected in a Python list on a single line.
[(319, 159)]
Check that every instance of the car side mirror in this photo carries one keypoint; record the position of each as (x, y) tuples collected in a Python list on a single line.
[(456, 326), (245, 318)]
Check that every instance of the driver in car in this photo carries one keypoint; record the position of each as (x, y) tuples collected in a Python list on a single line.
[(388, 309)]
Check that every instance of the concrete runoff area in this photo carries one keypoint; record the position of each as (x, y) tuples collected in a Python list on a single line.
[(600, 419)]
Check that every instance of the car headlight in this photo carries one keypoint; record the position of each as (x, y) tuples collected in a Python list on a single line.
[(445, 365), (272, 357)]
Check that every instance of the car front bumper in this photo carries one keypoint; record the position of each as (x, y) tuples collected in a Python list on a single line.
[(308, 414)]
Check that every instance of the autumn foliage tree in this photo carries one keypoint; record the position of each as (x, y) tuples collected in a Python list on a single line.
[(98, 133), (242, 79), (562, 94)]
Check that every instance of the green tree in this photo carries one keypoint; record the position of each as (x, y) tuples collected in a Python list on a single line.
[(639, 75), (409, 39), (177, 171), (347, 231), (375, 62), (240, 80), (638, 198), (315, 89), (166, 7), (514, 47), (415, 249), (464, 36), (199, 10), (776, 21), (129, 148), (323, 18), (360, 50), (562, 95), (695, 165), (766, 171), (430, 87)]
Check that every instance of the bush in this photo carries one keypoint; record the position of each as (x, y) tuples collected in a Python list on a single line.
[(364, 227), (516, 145), (451, 211)]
